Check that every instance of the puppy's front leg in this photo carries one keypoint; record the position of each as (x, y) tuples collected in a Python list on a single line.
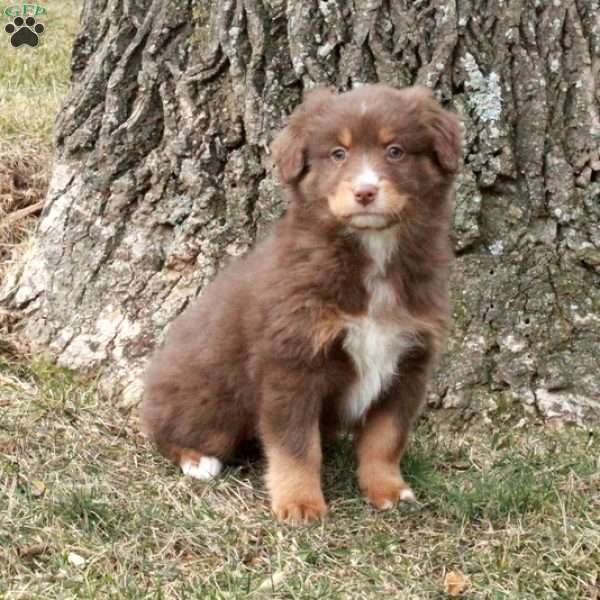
[(380, 443), (289, 428), (382, 438)]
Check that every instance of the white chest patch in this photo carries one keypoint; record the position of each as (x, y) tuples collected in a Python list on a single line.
[(375, 341), (375, 346)]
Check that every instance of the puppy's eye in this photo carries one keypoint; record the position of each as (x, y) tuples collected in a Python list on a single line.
[(394, 152), (339, 154)]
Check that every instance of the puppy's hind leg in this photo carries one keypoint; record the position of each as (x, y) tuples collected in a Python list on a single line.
[(196, 433), (202, 455)]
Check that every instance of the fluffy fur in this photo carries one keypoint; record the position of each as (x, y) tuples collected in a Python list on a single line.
[(334, 320)]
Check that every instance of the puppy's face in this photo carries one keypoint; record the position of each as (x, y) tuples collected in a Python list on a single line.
[(369, 158)]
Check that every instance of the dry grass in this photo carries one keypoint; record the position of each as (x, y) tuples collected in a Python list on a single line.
[(33, 82), (23, 185), (517, 512)]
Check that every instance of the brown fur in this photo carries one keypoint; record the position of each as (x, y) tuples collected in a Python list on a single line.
[(264, 352)]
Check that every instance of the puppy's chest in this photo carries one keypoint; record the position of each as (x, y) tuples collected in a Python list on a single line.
[(376, 343)]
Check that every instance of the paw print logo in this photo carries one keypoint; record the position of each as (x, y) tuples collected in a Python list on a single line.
[(24, 31)]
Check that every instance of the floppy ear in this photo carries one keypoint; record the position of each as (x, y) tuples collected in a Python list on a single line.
[(447, 139), (442, 126), (288, 152), (289, 146)]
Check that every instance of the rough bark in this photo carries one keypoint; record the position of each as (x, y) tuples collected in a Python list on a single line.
[(162, 170)]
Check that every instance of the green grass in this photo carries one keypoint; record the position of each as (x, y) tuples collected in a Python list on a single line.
[(516, 511), (34, 80)]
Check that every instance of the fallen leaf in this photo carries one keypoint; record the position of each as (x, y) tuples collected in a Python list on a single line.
[(271, 582), (31, 551), (75, 559), (455, 583), (38, 488)]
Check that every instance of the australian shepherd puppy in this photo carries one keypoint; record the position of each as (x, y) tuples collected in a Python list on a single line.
[(333, 322)]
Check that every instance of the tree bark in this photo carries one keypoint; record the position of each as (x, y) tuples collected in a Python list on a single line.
[(162, 171)]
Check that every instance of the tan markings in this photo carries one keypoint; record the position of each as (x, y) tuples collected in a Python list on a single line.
[(178, 454), (393, 201), (345, 137), (386, 135), (295, 483), (379, 448), (187, 454), (215, 443), (329, 325), (341, 202)]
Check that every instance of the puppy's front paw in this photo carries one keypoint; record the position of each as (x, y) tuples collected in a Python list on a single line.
[(302, 510), (385, 493)]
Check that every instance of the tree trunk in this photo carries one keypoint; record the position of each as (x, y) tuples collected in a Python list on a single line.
[(162, 171)]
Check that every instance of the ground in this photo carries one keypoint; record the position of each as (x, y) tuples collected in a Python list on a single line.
[(88, 509)]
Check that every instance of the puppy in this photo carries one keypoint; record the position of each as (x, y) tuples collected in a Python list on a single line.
[(331, 323)]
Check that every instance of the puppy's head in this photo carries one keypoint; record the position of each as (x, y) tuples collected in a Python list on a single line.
[(371, 157)]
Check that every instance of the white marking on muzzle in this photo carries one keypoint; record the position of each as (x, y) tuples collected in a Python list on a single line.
[(367, 176)]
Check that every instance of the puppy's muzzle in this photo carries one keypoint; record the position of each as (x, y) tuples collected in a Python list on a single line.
[(365, 194)]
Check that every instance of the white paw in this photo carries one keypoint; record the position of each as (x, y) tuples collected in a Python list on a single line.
[(207, 468), (408, 495)]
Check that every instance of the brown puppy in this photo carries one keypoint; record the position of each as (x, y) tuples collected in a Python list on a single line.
[(334, 320)]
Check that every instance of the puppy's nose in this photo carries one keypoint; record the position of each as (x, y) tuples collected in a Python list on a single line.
[(365, 194)]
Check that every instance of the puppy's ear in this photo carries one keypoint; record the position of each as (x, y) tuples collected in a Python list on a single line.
[(289, 146), (288, 151), (443, 127), (446, 134)]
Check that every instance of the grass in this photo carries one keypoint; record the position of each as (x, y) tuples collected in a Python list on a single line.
[(33, 82), (515, 513)]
